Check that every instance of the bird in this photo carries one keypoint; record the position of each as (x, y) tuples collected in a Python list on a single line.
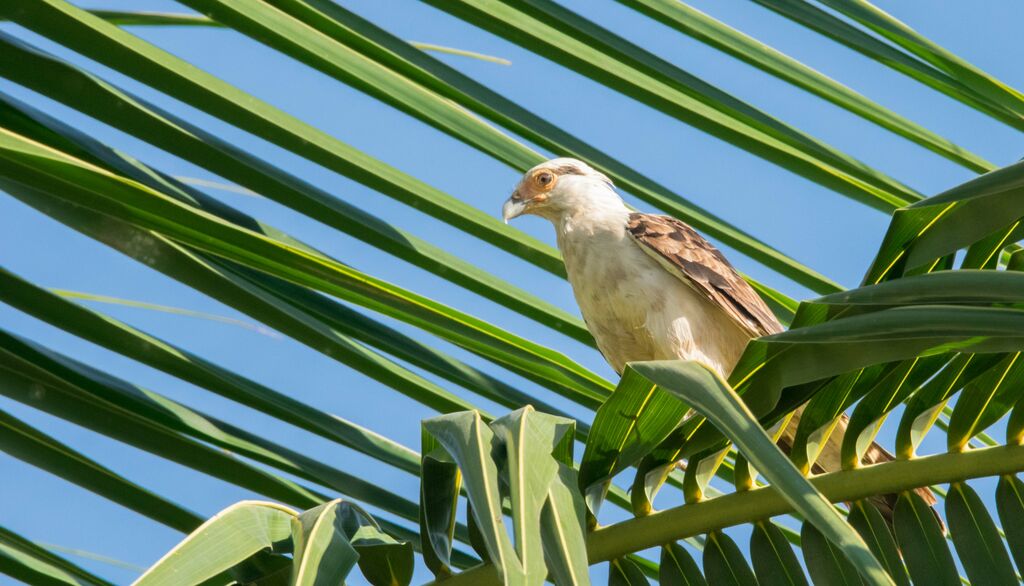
[(650, 287)]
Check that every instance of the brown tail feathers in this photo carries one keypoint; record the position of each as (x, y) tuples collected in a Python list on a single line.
[(829, 461)]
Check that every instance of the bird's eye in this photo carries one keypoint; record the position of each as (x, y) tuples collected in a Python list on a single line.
[(545, 178)]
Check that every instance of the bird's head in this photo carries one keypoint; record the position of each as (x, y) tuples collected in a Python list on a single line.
[(560, 186)]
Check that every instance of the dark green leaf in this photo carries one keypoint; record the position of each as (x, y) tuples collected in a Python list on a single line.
[(377, 44), (925, 406), (42, 451), (623, 572), (637, 417), (924, 548), (985, 400), (875, 530), (468, 440), (563, 529), (524, 442), (677, 567), (1010, 504), (826, 564), (976, 537), (899, 33), (724, 563), (775, 564), (286, 312), (439, 495)]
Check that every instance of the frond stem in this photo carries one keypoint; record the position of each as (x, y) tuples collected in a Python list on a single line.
[(677, 523)]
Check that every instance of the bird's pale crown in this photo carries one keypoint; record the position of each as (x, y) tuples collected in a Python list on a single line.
[(559, 187)]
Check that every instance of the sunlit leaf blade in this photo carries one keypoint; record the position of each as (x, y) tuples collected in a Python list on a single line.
[(567, 38), (279, 304), (807, 354), (1015, 425), (237, 290), (924, 407), (332, 318), (153, 18), (869, 414), (611, 542), (825, 563), (956, 218), (525, 441), (721, 36), (699, 387), (322, 553), (137, 18), (843, 32), (30, 563), (920, 539), (468, 440), (624, 572), (563, 530), (48, 454), (227, 539), (878, 534), (277, 29), (331, 538), (961, 286), (179, 311), (678, 568), (1010, 505), (985, 400), (635, 419), (724, 562), (987, 253), (812, 354), (476, 536), (772, 555), (977, 540), (700, 469), (875, 530), (822, 415)]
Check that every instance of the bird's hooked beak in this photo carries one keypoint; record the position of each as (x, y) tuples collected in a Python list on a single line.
[(514, 207)]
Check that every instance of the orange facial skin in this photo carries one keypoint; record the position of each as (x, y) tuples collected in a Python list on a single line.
[(535, 188)]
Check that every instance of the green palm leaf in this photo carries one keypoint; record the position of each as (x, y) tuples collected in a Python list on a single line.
[(934, 331)]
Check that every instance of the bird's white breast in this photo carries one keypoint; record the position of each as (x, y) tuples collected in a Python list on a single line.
[(635, 308)]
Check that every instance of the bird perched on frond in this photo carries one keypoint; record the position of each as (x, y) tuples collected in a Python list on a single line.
[(650, 287)]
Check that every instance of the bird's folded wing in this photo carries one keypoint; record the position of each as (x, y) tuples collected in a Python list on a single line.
[(695, 261)]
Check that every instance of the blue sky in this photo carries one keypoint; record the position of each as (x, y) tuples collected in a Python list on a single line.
[(820, 228)]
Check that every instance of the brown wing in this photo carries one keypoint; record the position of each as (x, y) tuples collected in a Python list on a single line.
[(684, 252)]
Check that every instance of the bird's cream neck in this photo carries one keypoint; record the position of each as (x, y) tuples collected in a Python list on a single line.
[(588, 205), (593, 219)]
